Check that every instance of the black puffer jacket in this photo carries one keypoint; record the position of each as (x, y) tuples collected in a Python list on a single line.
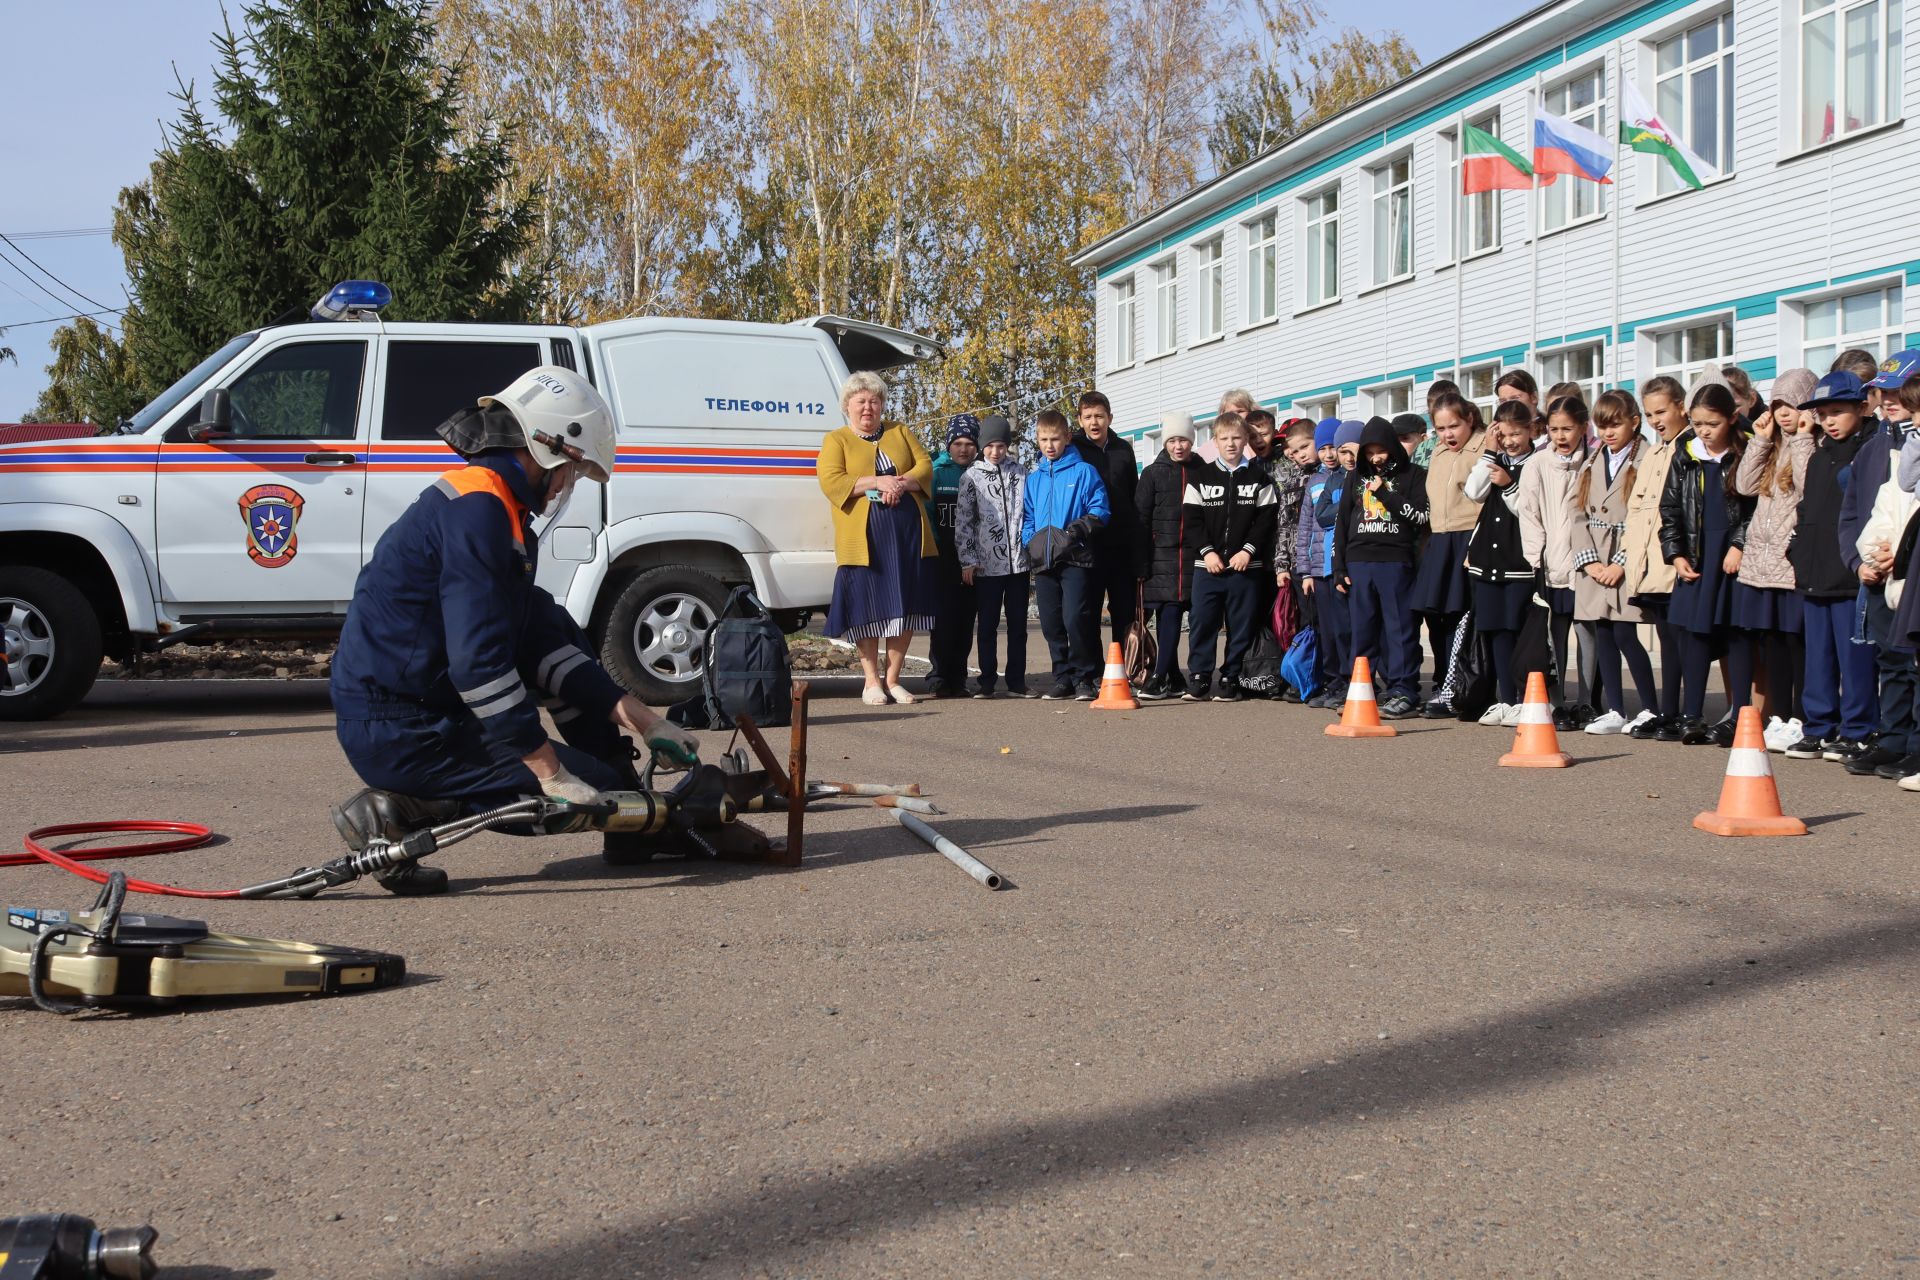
[(1683, 504), (1165, 541)]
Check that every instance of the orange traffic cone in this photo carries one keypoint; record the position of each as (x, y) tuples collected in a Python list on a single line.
[(1749, 801), (1360, 715), (1535, 744), (1116, 691)]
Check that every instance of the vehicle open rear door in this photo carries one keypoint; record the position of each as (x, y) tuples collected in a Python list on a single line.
[(868, 346)]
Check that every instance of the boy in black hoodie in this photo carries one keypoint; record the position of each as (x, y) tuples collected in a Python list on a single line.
[(1234, 505), (1165, 548), (1382, 513)]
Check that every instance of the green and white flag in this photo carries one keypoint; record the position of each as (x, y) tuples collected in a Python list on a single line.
[(1642, 129)]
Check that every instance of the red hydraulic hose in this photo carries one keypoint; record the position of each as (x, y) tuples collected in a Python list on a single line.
[(185, 835)]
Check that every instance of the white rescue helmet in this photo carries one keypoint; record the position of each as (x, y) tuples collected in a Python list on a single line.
[(563, 418)]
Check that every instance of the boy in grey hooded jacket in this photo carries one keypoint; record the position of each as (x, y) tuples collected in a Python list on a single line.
[(992, 558)]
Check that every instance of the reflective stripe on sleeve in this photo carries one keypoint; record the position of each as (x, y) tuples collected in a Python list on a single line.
[(481, 693), (565, 669), (543, 674), (505, 702)]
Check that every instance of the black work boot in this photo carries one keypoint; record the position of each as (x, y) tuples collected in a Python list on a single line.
[(412, 880), (372, 815)]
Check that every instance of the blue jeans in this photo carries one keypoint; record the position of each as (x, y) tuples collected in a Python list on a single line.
[(1385, 632), (1234, 597), (1069, 600), (1839, 695), (998, 594)]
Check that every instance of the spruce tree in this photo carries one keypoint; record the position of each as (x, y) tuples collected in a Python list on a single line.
[(335, 151)]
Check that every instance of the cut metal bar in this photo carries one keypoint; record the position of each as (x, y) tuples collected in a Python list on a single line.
[(909, 803), (864, 788), (796, 780), (751, 732), (959, 857)]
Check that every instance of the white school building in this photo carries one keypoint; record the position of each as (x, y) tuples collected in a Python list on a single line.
[(1342, 273)]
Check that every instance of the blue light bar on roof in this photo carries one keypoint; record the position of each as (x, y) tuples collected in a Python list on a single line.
[(351, 298)]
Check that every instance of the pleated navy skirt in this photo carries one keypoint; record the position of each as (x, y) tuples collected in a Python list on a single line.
[(1501, 606), (1767, 609), (894, 592), (1442, 583)]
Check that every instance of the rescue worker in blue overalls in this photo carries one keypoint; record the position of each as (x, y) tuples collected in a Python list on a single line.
[(449, 649)]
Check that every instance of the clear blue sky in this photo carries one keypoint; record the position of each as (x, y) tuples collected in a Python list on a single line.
[(84, 95)]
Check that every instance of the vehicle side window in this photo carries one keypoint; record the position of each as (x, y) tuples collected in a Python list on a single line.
[(428, 381), (305, 391)]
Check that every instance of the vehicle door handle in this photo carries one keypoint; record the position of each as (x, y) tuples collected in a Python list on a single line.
[(329, 459)]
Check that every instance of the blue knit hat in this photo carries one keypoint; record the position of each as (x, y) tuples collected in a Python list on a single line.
[(1349, 433), (963, 426), (1325, 431)]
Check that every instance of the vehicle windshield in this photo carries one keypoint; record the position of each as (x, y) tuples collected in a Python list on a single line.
[(165, 402)]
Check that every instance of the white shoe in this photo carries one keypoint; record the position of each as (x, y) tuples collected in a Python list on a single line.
[(874, 696), (1909, 783), (1770, 735), (1645, 715), (1511, 718), (1496, 714), (1783, 734), (1610, 722), (900, 695)]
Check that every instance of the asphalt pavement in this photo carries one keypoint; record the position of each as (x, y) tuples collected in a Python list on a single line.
[(1258, 1002)]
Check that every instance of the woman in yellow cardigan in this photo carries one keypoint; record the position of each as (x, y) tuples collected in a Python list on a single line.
[(877, 477)]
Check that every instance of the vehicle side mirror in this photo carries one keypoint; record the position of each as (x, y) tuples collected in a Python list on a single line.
[(216, 418)]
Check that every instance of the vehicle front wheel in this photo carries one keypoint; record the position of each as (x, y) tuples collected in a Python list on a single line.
[(654, 640), (50, 644)]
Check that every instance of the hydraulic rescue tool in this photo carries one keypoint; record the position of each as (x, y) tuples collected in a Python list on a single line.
[(65, 1246), (101, 956)]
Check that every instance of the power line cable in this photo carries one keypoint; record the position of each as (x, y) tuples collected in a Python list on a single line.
[(78, 315), (92, 302), (64, 233), (25, 275)]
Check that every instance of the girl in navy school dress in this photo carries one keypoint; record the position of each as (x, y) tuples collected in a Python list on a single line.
[(1703, 530), (1496, 555)]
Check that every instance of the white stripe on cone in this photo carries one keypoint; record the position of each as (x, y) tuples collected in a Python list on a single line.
[(1114, 672), (1748, 762), (1534, 713), (1359, 692)]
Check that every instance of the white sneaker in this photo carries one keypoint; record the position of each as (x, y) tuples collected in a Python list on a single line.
[(1609, 722), (1783, 734), (1909, 783), (1495, 714), (1512, 716), (1645, 715)]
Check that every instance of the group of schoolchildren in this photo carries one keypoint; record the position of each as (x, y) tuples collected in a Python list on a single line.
[(1766, 541)]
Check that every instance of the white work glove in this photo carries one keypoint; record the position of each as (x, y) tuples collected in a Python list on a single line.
[(564, 786), (672, 746)]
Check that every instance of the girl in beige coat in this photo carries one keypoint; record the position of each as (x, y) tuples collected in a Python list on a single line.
[(1600, 598), (1773, 469), (1545, 508), (1650, 578)]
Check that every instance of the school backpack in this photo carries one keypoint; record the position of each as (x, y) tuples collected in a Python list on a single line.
[(1260, 670), (746, 669), (1469, 687), (1300, 666)]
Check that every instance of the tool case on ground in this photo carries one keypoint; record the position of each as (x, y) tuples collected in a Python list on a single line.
[(747, 669)]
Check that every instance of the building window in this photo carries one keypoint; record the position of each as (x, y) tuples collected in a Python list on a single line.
[(1585, 364), (1166, 306), (1124, 308), (1479, 213), (1263, 265), (1392, 226), (1476, 384), (1681, 352), (1870, 319), (1317, 408), (1581, 100), (1322, 276), (1849, 67), (1210, 294), (1395, 397), (1693, 92)]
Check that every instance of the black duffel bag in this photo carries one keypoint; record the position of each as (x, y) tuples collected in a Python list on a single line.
[(746, 669)]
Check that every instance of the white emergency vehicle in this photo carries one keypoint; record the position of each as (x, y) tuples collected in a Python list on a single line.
[(243, 501)]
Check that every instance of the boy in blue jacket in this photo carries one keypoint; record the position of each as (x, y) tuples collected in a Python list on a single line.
[(1313, 561), (1065, 506)]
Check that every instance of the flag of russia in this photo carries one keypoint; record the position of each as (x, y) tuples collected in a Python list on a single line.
[(1561, 146)]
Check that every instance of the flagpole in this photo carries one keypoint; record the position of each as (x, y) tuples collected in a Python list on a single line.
[(1619, 210), (1533, 219), (1459, 239)]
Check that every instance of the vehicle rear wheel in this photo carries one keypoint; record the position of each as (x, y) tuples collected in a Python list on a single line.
[(50, 644), (655, 637)]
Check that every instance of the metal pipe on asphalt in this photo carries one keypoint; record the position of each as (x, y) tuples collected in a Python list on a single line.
[(863, 789), (909, 803), (959, 857)]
